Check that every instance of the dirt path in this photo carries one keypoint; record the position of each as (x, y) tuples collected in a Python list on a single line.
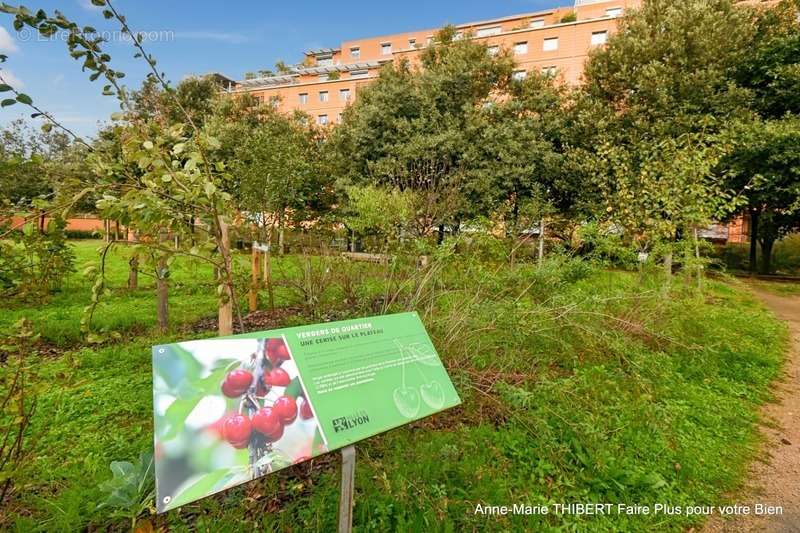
[(775, 479)]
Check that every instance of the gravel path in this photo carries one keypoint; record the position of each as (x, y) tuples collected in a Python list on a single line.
[(775, 480)]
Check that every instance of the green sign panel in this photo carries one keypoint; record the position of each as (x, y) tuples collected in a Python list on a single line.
[(231, 409)]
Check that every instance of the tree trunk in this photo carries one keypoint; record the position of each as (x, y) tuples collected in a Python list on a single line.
[(225, 317), (281, 248), (162, 294), (754, 216), (267, 270), (697, 257), (766, 255), (667, 269), (255, 275), (440, 237), (540, 258), (133, 273), (116, 230)]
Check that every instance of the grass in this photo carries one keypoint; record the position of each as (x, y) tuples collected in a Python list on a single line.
[(579, 385), (779, 288)]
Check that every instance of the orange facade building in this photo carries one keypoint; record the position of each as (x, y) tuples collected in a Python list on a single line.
[(556, 41)]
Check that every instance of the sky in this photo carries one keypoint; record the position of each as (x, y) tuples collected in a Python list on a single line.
[(200, 36)]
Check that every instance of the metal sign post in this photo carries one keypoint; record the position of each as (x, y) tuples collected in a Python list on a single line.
[(346, 498)]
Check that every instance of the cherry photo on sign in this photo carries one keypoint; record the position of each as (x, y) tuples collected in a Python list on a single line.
[(236, 383)]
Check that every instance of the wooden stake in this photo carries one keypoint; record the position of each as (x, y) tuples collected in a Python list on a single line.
[(346, 498), (225, 316)]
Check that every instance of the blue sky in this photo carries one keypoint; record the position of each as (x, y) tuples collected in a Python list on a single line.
[(202, 36)]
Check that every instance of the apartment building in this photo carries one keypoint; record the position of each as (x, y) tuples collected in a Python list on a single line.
[(555, 41)]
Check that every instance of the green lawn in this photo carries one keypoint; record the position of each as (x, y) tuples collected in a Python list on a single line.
[(579, 385)]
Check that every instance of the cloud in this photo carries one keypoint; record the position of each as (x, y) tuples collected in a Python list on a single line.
[(76, 118), (57, 79), (88, 5), (7, 43), (223, 37), (11, 79)]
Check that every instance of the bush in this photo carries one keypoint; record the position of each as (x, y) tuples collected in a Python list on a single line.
[(35, 262), (82, 234), (785, 255)]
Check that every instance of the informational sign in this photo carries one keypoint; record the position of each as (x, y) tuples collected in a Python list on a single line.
[(231, 409)]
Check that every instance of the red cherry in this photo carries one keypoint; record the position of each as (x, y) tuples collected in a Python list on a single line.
[(277, 351), (236, 383), (229, 391), (305, 410), (286, 408), (237, 430), (275, 435), (277, 377), (266, 421)]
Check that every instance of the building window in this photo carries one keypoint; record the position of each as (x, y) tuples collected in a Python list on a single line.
[(599, 37), (538, 23), (550, 71), (458, 36), (493, 50), (344, 95), (355, 53), (359, 74), (520, 48), (303, 98), (412, 43), (325, 61), (386, 49), (339, 118), (485, 32), (519, 75), (429, 40), (322, 120), (323, 77), (613, 11), (550, 44), (273, 101), (323, 96)]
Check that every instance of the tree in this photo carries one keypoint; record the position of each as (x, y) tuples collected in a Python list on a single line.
[(667, 71), (765, 163), (278, 182), (276, 174), (513, 161), (408, 129), (654, 190), (177, 171), (658, 98)]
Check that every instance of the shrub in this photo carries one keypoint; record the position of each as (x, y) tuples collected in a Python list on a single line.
[(569, 17), (82, 234), (35, 262)]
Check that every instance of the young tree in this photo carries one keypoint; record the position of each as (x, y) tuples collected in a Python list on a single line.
[(177, 171), (278, 182)]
